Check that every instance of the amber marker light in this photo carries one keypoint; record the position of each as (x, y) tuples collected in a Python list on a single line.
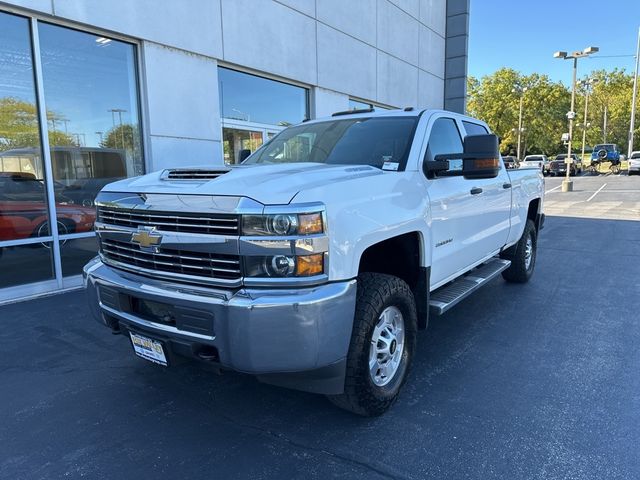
[(309, 223), (309, 265)]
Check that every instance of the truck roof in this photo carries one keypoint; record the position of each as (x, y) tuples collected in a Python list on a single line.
[(398, 112)]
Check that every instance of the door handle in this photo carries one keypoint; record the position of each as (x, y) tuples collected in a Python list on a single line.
[(506, 185), (476, 190)]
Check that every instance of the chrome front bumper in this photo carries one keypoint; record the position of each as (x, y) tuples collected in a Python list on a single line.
[(292, 337)]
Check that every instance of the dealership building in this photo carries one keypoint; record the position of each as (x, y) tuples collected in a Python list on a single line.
[(92, 91)]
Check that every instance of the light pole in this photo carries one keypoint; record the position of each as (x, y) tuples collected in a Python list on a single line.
[(521, 91), (586, 85), (632, 124), (567, 184)]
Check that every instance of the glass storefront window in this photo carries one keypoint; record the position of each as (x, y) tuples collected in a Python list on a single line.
[(89, 85), (234, 140), (23, 206), (89, 89), (249, 98)]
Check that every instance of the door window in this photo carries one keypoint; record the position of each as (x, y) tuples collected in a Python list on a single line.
[(474, 128), (445, 139)]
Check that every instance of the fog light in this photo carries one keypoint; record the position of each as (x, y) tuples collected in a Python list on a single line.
[(309, 265)]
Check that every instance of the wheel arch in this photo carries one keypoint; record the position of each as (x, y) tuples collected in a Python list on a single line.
[(403, 256)]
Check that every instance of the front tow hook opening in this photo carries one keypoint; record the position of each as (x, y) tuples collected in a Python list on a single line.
[(208, 353)]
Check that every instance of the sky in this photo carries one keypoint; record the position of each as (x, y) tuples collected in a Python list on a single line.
[(524, 34)]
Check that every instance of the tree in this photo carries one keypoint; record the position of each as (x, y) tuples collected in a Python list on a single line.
[(125, 137), (19, 126), (496, 99)]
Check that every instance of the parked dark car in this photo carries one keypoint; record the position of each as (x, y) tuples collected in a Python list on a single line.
[(510, 162), (558, 165)]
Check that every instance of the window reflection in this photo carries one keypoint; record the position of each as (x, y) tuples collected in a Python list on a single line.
[(234, 140), (23, 207), (90, 92), (22, 264), (254, 99)]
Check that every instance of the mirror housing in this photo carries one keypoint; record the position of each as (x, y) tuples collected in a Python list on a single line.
[(244, 153), (481, 157)]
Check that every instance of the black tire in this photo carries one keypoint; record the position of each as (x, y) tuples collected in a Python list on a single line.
[(519, 272), (376, 292)]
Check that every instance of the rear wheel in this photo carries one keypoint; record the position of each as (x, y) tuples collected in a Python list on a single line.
[(522, 256), (382, 345)]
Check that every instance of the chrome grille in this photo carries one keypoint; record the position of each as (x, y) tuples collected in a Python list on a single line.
[(211, 224), (209, 265), (193, 174)]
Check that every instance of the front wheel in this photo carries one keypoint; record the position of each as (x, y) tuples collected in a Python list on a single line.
[(522, 255), (382, 345)]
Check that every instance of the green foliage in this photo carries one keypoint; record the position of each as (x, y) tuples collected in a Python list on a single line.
[(495, 99), (19, 126), (125, 137)]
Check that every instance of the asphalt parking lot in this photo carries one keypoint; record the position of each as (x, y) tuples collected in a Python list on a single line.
[(536, 381)]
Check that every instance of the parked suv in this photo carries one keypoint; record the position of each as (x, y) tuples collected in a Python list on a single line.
[(606, 152), (558, 166), (634, 162)]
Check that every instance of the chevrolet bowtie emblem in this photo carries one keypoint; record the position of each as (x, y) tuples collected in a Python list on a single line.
[(146, 237)]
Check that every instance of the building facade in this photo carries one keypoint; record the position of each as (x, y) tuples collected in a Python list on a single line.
[(92, 91)]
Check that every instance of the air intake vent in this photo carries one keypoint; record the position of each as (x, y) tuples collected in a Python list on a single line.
[(192, 174)]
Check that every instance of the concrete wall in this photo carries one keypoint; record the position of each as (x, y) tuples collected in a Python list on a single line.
[(456, 53), (386, 51)]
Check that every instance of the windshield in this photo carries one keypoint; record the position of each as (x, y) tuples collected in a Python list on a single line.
[(533, 158), (607, 147), (635, 155), (372, 141)]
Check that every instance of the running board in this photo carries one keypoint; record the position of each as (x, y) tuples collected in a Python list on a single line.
[(449, 295)]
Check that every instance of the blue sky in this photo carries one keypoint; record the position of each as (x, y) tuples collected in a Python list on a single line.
[(524, 34)]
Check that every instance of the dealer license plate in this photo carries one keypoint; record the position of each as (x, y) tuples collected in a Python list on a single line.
[(148, 349)]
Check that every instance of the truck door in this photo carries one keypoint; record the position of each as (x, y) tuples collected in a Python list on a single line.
[(469, 217)]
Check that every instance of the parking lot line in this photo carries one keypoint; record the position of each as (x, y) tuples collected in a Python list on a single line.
[(553, 189), (596, 192)]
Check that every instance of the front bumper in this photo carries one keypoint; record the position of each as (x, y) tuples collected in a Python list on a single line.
[(297, 338), (634, 167)]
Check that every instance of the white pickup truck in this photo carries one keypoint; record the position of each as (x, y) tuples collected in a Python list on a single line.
[(314, 263)]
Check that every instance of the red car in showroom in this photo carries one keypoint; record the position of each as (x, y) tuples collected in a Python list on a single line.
[(23, 209)]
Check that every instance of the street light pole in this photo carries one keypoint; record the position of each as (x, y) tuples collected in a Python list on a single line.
[(632, 124), (520, 121), (567, 184), (587, 88)]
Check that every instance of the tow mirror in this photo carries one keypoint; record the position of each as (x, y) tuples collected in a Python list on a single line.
[(481, 157), (243, 155)]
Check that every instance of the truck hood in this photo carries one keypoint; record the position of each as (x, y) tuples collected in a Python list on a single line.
[(268, 184)]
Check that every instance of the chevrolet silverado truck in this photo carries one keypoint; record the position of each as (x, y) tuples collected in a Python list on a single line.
[(314, 263)]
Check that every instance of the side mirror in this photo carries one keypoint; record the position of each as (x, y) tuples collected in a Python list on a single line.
[(243, 155), (481, 157)]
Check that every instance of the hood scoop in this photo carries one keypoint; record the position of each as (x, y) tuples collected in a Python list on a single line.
[(193, 173)]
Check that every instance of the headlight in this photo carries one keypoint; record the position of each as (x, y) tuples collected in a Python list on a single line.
[(284, 224), (281, 266)]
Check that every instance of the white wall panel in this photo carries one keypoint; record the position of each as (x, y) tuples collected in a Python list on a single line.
[(268, 36), (192, 25), (170, 152), (326, 102), (398, 32), (430, 91), (346, 64), (397, 82), (431, 51), (182, 93), (357, 18), (433, 13)]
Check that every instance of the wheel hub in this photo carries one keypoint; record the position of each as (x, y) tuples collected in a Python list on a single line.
[(387, 346)]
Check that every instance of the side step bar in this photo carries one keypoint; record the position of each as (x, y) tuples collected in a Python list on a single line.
[(451, 294)]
